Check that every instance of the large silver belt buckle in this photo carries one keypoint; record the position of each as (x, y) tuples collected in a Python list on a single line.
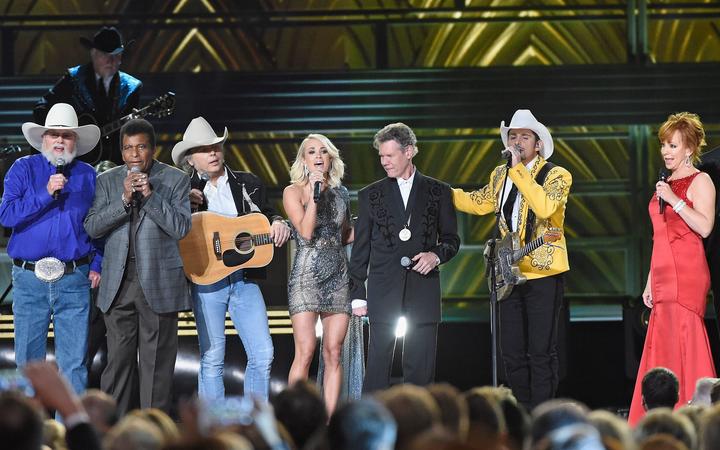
[(49, 269)]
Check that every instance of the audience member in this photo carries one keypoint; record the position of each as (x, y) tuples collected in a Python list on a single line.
[(54, 435), (554, 414), (663, 421), (454, 413), (487, 423), (101, 409), (134, 433), (710, 429), (364, 424), (300, 410), (662, 442), (660, 389), (21, 422), (703, 388), (613, 429), (414, 411)]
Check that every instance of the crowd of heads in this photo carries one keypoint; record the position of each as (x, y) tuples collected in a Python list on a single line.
[(403, 417)]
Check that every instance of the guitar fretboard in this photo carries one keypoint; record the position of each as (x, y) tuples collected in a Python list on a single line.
[(262, 239), (531, 247)]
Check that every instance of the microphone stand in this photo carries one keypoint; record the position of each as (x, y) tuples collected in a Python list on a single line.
[(490, 258)]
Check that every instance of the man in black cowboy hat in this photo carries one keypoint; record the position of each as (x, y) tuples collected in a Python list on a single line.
[(98, 91)]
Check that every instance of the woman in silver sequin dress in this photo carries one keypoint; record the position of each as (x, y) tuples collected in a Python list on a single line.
[(318, 284)]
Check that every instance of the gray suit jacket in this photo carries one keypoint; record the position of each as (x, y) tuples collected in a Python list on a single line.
[(164, 219)]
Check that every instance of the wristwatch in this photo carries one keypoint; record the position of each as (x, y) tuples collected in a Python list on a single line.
[(437, 260)]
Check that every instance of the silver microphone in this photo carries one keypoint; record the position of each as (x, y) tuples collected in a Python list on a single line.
[(136, 195), (59, 168), (406, 262), (507, 154)]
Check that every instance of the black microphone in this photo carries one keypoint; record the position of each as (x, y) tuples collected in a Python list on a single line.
[(200, 182), (407, 263), (136, 195), (59, 168), (664, 174), (316, 192)]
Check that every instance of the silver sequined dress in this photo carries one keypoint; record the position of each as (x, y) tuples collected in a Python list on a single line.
[(319, 279)]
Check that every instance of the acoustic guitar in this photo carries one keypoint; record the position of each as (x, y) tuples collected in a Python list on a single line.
[(508, 253), (161, 106), (219, 245)]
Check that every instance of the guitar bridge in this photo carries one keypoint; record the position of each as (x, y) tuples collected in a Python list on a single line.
[(216, 246)]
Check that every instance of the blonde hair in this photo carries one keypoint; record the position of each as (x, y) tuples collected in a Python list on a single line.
[(690, 128), (298, 173)]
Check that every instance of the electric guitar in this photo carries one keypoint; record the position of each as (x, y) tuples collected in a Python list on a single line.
[(508, 253), (219, 245), (161, 106)]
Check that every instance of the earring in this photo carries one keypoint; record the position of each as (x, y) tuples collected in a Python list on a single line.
[(687, 161), (306, 172)]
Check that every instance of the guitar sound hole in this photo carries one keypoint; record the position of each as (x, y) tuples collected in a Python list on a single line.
[(243, 242)]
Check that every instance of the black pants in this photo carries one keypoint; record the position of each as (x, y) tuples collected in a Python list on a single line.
[(528, 339), (142, 347), (418, 355)]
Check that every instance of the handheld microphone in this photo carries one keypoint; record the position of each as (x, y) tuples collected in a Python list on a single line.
[(136, 196), (203, 179), (316, 192), (407, 263), (59, 168), (664, 174), (507, 154)]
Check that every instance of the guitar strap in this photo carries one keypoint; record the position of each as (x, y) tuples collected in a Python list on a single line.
[(539, 179)]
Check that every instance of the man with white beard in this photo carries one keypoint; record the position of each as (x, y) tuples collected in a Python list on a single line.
[(45, 201)]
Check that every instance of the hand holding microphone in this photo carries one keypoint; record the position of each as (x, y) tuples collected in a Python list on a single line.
[(316, 181), (136, 186), (510, 153), (663, 175), (57, 181)]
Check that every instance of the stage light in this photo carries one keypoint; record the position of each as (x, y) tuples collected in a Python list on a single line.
[(401, 327), (318, 328)]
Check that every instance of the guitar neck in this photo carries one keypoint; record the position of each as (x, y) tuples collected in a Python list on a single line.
[(115, 125), (529, 248), (262, 239)]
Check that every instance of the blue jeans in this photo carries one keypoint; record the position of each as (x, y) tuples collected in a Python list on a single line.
[(247, 310), (68, 302)]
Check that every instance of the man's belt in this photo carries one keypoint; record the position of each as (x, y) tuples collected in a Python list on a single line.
[(51, 269)]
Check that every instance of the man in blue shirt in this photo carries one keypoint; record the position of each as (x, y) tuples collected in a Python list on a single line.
[(45, 201)]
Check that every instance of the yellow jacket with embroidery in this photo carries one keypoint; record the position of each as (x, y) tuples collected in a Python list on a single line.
[(547, 201)]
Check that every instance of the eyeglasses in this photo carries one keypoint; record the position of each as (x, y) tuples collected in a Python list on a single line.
[(66, 135), (138, 147)]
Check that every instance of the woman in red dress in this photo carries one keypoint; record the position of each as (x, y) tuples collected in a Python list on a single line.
[(679, 278)]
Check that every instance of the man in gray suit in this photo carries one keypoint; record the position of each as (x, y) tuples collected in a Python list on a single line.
[(142, 210)]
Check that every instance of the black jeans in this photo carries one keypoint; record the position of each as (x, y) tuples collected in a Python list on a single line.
[(528, 339)]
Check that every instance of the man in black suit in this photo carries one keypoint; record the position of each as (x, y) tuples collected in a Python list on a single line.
[(406, 228)]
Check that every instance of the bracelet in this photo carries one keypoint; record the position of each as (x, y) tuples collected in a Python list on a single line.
[(679, 206), (125, 203)]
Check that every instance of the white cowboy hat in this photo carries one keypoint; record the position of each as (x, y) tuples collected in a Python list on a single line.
[(523, 118), (197, 134), (62, 117)]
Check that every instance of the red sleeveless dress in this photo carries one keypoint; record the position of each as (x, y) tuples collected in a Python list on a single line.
[(680, 280)]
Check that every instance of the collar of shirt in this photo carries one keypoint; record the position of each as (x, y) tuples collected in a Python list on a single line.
[(219, 196), (401, 182)]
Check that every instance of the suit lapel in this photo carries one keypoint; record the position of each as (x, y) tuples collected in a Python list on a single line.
[(418, 198)]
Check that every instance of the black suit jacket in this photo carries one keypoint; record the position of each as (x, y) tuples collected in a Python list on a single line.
[(377, 249)]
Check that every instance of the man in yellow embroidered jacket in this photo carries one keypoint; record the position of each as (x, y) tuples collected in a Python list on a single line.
[(533, 201)]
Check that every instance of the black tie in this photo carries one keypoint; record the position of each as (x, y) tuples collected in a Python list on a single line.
[(101, 88), (508, 206)]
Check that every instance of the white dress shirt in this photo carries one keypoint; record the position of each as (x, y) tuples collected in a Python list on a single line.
[(219, 197), (516, 207), (405, 187)]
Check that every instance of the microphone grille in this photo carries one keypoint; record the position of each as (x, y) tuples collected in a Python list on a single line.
[(135, 169), (59, 162), (405, 261), (204, 176)]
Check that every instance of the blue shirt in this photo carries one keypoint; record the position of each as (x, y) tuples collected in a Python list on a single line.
[(43, 226)]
